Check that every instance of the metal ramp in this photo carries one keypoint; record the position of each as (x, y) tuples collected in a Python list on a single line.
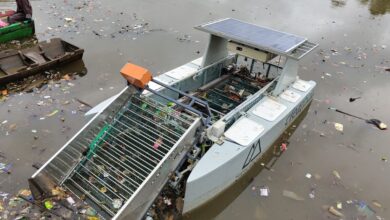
[(121, 163)]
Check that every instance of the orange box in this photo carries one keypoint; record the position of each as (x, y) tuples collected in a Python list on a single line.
[(136, 75)]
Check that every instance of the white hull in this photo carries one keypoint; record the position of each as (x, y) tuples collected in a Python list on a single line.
[(223, 164)]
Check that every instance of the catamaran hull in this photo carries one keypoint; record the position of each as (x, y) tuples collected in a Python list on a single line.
[(209, 180)]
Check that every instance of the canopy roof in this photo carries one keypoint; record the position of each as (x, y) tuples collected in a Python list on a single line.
[(262, 38)]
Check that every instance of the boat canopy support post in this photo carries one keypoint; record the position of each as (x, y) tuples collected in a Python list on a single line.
[(288, 75), (260, 43), (216, 50)]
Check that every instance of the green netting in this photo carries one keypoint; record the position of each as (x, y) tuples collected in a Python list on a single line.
[(97, 140)]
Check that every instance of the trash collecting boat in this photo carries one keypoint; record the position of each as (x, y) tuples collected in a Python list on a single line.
[(17, 64), (195, 129), (17, 30)]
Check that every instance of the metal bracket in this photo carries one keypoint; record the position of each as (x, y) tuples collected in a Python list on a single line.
[(206, 116)]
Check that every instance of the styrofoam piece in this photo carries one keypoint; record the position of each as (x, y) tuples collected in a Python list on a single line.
[(301, 85), (290, 95), (244, 131), (269, 109)]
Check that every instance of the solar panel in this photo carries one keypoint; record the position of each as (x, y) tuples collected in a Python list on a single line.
[(253, 35)]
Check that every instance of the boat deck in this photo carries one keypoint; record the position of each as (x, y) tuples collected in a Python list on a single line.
[(226, 95)]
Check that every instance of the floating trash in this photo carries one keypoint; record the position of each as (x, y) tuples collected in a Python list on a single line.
[(335, 212), (379, 124), (117, 203), (70, 200), (339, 127), (336, 174), (5, 168), (354, 99), (52, 114), (364, 209), (283, 147), (312, 194), (292, 195), (377, 204), (264, 191), (339, 205), (48, 204), (103, 189)]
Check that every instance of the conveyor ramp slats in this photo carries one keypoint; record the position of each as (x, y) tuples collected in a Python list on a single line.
[(111, 161), (126, 151)]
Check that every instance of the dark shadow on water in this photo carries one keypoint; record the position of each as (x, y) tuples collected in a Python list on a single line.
[(338, 3), (377, 7), (70, 71), (75, 68)]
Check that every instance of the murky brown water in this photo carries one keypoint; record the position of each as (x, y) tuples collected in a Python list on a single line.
[(357, 29)]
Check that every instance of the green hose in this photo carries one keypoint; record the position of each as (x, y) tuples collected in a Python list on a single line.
[(203, 147), (95, 142)]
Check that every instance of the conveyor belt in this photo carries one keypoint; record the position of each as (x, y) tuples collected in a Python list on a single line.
[(225, 96), (126, 151), (111, 164)]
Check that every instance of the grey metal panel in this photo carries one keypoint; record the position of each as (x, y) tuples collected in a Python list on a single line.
[(303, 49), (136, 206), (253, 35)]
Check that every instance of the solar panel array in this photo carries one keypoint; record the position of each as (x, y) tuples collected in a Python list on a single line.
[(253, 35)]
